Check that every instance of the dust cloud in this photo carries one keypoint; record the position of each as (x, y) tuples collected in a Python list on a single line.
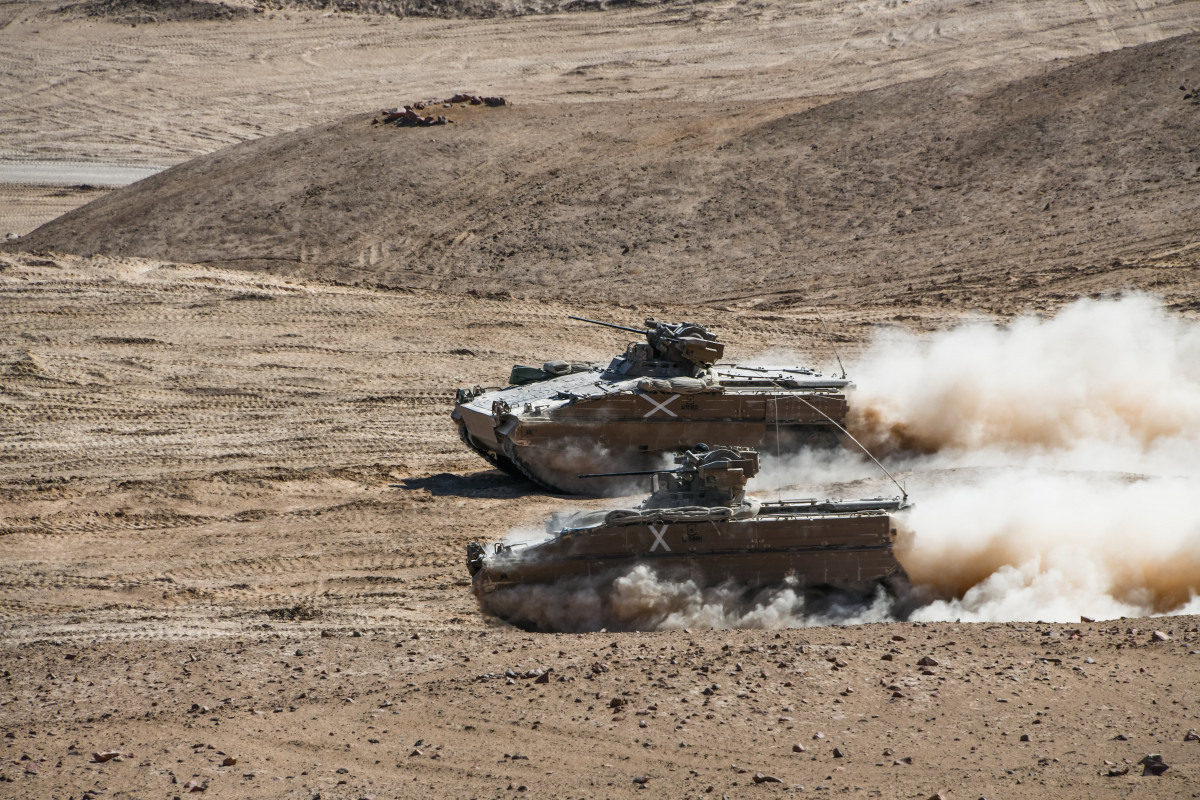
[(1052, 463), (641, 599), (1109, 384)]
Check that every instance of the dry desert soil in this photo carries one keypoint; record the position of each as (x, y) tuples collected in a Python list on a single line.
[(234, 511)]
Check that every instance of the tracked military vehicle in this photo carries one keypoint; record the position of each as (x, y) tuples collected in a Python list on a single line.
[(698, 524), (662, 395)]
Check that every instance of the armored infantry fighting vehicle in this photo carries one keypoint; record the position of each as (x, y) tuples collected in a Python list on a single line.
[(698, 524), (662, 395)]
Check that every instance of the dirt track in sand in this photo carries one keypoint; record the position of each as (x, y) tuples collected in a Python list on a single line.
[(163, 93), (181, 413), (234, 526)]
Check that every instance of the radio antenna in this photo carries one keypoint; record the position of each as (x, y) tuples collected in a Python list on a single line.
[(850, 436), (831, 344)]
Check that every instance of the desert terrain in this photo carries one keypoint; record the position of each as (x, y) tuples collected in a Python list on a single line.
[(234, 511)]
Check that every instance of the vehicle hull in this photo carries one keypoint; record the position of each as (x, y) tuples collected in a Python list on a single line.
[(846, 550), (621, 428)]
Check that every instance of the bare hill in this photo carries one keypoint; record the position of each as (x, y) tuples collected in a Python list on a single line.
[(143, 12), (946, 190), (454, 9)]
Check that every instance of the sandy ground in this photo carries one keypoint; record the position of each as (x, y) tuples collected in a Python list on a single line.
[(160, 94), (24, 207), (234, 528), (233, 510)]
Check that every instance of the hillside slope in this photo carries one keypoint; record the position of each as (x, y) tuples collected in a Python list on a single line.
[(943, 189)]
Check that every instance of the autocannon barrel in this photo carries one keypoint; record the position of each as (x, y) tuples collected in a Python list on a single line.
[(607, 324), (639, 472)]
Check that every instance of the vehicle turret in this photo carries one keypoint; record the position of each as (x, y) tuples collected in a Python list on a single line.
[(671, 350)]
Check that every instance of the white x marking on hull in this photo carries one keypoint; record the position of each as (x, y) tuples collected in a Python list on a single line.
[(658, 531), (659, 406)]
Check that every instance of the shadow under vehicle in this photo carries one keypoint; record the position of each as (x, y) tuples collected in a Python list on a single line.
[(699, 525), (660, 396)]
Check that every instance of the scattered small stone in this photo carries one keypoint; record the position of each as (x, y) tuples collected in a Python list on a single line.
[(1191, 736), (229, 761), (798, 748), (926, 661), (1025, 737), (837, 753), (1159, 636), (760, 778), (886, 657)]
